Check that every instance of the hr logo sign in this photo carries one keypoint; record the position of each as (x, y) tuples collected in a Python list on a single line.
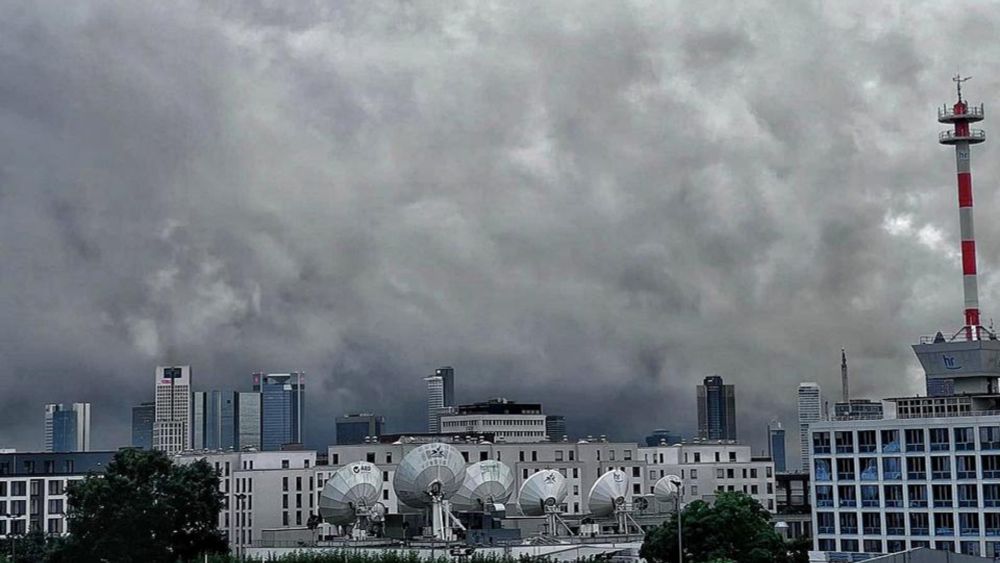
[(950, 362)]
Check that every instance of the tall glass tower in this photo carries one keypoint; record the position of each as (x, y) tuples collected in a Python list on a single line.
[(282, 401), (716, 409)]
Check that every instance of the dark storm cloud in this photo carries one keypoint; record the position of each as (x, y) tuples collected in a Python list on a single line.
[(593, 205)]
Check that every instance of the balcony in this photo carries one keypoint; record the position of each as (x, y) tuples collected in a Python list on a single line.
[(848, 502), (826, 530), (824, 502), (895, 531), (870, 503), (893, 503), (821, 449), (966, 474), (943, 503), (920, 531), (941, 475), (876, 531), (845, 476), (939, 446), (965, 446), (916, 475), (848, 449), (944, 531), (968, 503), (950, 137), (867, 448), (848, 530), (946, 114), (918, 503), (893, 475), (969, 531), (918, 447)]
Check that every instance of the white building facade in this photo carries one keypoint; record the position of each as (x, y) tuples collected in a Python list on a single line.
[(925, 480), (709, 468)]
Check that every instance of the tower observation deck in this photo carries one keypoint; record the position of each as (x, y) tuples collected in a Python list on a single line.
[(969, 361)]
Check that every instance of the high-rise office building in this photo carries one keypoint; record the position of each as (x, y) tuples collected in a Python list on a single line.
[(172, 423), (213, 420), (282, 398), (716, 409), (248, 412), (555, 427), (67, 427), (354, 428), (143, 416), (810, 410), (663, 437), (776, 445), (440, 396)]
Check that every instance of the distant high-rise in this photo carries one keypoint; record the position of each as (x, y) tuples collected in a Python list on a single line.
[(716, 409), (143, 416), (440, 396), (213, 420), (354, 428), (248, 421), (282, 400), (663, 436), (776, 445), (843, 375), (555, 427), (810, 410), (67, 427), (172, 424)]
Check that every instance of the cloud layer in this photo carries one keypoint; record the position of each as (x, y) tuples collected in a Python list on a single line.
[(590, 204)]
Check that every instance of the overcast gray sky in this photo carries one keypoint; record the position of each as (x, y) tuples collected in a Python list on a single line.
[(589, 204)]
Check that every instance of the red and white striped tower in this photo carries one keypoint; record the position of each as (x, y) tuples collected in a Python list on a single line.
[(961, 115)]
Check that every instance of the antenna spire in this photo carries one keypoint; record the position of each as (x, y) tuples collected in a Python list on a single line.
[(843, 375), (958, 80)]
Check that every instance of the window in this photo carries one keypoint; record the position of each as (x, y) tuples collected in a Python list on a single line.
[(717, 457), (55, 506), (285, 465), (576, 472), (968, 496), (732, 456), (369, 457), (890, 469), (917, 495), (821, 443), (939, 440), (919, 524), (869, 469), (720, 473), (847, 496), (56, 487), (697, 457), (890, 441), (871, 523), (869, 496), (915, 440), (992, 522), (824, 496), (520, 456), (940, 467), (636, 471), (18, 488), (298, 500), (989, 437), (572, 455), (965, 439), (895, 523), (991, 495), (336, 459), (284, 483), (991, 466), (298, 483), (385, 494), (845, 469), (848, 523), (942, 496), (284, 518), (284, 501), (893, 496), (866, 441), (730, 474), (916, 468), (944, 524), (845, 442), (965, 467)]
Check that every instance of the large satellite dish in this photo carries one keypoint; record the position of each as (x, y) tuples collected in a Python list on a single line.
[(547, 488), (429, 472), (486, 483), (352, 488), (608, 493), (666, 489)]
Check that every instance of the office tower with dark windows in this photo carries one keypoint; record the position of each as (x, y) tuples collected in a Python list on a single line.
[(355, 428), (716, 409), (555, 427), (282, 398), (172, 423), (776, 445), (810, 411), (143, 416), (67, 427), (440, 396), (213, 420)]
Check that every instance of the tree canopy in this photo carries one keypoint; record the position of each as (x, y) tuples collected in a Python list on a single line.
[(734, 528), (144, 508)]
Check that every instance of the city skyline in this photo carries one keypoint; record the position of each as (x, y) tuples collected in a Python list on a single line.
[(600, 213)]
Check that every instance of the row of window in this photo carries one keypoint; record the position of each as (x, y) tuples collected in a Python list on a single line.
[(30, 467), (493, 422), (916, 468), (21, 488), (897, 545), (914, 440), (916, 496), (969, 524)]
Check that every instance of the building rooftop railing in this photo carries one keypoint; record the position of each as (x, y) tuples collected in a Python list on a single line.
[(950, 135), (948, 112)]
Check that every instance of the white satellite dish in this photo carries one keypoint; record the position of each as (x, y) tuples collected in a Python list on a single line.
[(428, 477), (350, 495), (667, 488), (547, 488), (608, 494), (428, 472), (487, 483)]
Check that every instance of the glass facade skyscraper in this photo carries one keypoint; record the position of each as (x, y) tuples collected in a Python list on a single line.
[(142, 425), (248, 421), (281, 405), (213, 420), (716, 410), (67, 427)]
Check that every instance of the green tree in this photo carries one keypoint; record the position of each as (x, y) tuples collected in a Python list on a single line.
[(736, 527), (144, 508)]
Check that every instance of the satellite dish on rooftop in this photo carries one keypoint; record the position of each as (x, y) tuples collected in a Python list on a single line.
[(350, 496), (487, 483), (608, 494), (667, 488), (545, 489), (428, 472)]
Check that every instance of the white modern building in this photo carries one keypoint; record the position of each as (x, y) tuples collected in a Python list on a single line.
[(172, 423), (440, 396), (711, 467), (508, 421), (33, 488), (930, 477), (263, 491), (810, 410), (67, 427)]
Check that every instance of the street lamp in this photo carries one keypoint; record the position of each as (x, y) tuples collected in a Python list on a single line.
[(678, 484)]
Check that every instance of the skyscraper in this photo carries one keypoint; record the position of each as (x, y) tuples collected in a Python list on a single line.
[(776, 444), (281, 401), (716, 409), (248, 421), (440, 396), (810, 410), (213, 420), (67, 427), (172, 423), (354, 428), (555, 427), (143, 416)]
